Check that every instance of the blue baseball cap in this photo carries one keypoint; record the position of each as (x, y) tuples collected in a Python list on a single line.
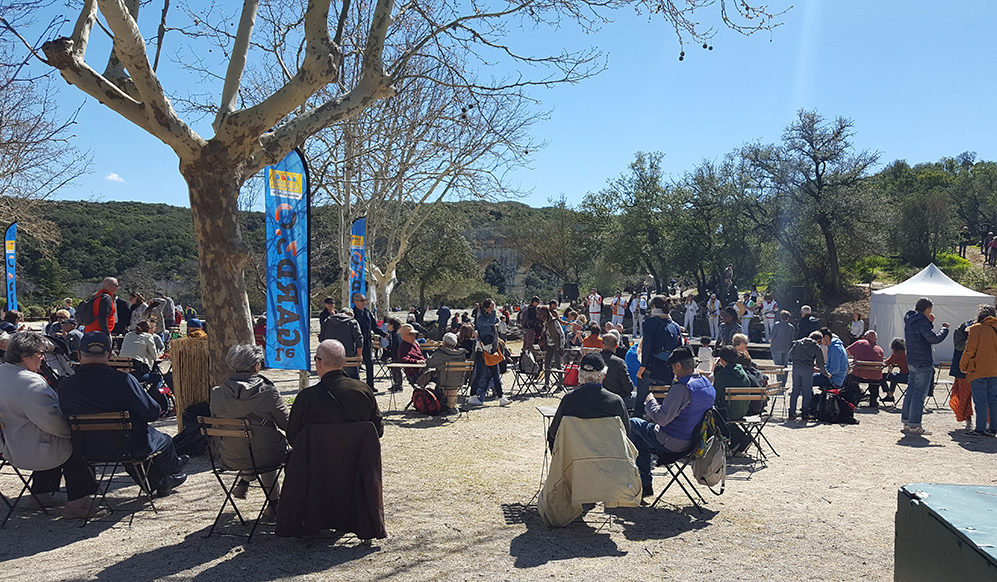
[(95, 342)]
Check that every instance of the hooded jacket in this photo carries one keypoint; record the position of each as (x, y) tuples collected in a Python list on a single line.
[(806, 353), (344, 328), (920, 337), (250, 396), (837, 361), (979, 360)]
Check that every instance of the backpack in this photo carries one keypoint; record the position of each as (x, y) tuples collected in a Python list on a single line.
[(710, 463), (528, 363), (426, 402), (84, 311), (830, 407), (190, 441), (960, 336), (571, 375)]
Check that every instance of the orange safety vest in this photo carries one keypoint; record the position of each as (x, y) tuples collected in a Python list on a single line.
[(111, 316)]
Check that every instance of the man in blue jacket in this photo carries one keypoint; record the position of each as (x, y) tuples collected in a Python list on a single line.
[(661, 336), (837, 361), (920, 336), (96, 387)]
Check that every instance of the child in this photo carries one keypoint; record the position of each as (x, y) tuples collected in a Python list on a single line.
[(705, 356), (897, 359)]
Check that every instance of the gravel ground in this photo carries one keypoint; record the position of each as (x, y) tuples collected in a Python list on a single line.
[(454, 493)]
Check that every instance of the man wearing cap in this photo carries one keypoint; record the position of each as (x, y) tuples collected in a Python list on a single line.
[(71, 331), (96, 388), (195, 328), (590, 399), (669, 434)]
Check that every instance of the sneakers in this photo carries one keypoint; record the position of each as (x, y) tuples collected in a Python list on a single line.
[(474, 401), (976, 433), (792, 416), (917, 431), (169, 483), (503, 401), (240, 489), (991, 432)]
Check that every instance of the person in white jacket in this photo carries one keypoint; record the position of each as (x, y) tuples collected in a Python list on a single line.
[(769, 310), (36, 435), (691, 309), (713, 307)]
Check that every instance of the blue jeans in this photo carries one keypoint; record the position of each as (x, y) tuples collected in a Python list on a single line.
[(803, 385), (482, 375), (780, 358), (918, 382), (645, 440), (985, 401)]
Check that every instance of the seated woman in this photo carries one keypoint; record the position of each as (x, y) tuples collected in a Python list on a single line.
[(729, 374), (898, 360), (408, 353), (248, 395), (140, 347), (593, 340)]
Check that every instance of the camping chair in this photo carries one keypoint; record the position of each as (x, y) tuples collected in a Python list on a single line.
[(752, 425), (936, 382), (11, 502), (105, 429), (677, 470), (236, 429)]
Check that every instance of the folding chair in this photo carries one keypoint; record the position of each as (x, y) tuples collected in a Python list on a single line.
[(752, 425), (453, 393), (11, 502), (659, 392), (523, 383), (354, 362), (677, 469), (111, 430), (236, 429), (936, 382)]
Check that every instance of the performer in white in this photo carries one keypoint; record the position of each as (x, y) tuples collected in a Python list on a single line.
[(691, 309), (713, 314), (769, 310), (595, 307), (619, 306)]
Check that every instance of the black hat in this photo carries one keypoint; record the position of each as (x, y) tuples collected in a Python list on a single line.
[(678, 354), (592, 363)]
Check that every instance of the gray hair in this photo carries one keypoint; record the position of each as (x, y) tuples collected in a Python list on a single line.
[(346, 311), (594, 377), (450, 339), (24, 344), (870, 333), (332, 353), (244, 357)]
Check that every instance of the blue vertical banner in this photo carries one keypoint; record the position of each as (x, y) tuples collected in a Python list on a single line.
[(288, 324), (10, 259), (358, 259)]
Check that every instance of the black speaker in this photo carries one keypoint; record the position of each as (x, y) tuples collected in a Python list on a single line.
[(797, 297), (570, 291)]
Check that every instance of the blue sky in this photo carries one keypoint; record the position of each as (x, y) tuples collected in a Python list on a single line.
[(915, 76)]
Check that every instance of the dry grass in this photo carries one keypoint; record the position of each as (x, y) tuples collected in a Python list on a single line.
[(452, 492)]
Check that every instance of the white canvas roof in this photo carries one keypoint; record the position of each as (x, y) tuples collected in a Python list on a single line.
[(953, 303)]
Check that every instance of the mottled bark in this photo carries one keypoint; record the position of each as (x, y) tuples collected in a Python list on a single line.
[(222, 254)]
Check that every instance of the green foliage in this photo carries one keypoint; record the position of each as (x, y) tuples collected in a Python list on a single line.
[(953, 265), (34, 312)]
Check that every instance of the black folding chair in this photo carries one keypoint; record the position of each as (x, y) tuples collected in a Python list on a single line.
[(237, 429), (110, 432), (677, 470), (11, 502), (753, 425)]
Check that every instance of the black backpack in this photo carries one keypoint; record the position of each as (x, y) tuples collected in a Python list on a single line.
[(190, 441), (830, 407), (84, 311)]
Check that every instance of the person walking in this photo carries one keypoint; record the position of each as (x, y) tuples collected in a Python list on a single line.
[(920, 336), (979, 363)]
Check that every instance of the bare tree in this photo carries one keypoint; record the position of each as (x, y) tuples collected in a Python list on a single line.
[(251, 135)]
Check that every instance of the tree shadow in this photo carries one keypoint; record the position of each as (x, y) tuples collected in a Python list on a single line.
[(266, 557)]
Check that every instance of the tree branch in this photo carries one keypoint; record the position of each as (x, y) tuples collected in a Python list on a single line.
[(237, 63)]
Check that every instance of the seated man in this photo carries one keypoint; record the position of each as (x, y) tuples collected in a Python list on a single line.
[(36, 436), (617, 378), (408, 353), (71, 331), (436, 363), (837, 361), (669, 434), (336, 398), (590, 400), (866, 350), (96, 387), (195, 328)]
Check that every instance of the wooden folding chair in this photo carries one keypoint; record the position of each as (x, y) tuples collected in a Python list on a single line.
[(12, 502), (659, 392), (121, 364), (107, 429), (453, 393), (354, 362), (752, 425), (237, 429)]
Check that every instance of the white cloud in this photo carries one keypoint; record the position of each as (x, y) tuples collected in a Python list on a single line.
[(112, 177)]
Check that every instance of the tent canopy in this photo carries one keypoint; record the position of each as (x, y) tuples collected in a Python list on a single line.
[(953, 304)]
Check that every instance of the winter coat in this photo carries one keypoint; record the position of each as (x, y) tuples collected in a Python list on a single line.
[(730, 376), (553, 334), (979, 360), (253, 397), (920, 337), (806, 353), (35, 433), (344, 328), (808, 325), (139, 346), (438, 361)]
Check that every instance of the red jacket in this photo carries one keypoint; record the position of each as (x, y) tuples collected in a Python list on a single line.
[(111, 313)]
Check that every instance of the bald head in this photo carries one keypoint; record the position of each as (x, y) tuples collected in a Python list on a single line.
[(110, 284), (330, 355)]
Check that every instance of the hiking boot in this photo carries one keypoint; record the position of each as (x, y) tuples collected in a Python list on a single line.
[(474, 401), (240, 489), (169, 483), (503, 401)]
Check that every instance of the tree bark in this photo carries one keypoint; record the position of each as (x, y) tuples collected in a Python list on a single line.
[(833, 265), (222, 254)]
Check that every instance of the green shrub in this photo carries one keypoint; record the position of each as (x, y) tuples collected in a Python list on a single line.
[(953, 265), (34, 312)]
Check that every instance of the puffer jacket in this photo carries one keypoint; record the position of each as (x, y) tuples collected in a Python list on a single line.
[(248, 395), (920, 337), (979, 360)]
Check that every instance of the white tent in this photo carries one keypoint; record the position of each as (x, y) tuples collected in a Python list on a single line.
[(953, 303)]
